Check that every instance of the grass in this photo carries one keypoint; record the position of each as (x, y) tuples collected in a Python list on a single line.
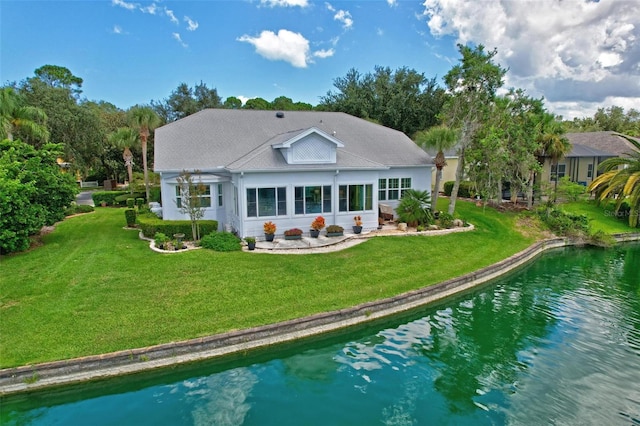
[(603, 217), (94, 287)]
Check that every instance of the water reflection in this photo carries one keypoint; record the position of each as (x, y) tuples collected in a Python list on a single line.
[(557, 343)]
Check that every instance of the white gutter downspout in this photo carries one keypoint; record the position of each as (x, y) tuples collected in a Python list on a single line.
[(336, 203)]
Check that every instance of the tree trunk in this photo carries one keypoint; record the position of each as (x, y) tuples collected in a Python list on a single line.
[(436, 190), (456, 185), (532, 177)]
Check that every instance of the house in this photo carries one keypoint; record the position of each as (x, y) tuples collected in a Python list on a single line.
[(588, 151), (287, 167)]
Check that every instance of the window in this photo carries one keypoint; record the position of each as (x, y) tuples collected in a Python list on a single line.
[(220, 195), (355, 197), (204, 196), (590, 171), (312, 199), (557, 172), (266, 202), (392, 188)]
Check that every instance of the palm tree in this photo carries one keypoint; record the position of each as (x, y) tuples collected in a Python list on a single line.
[(145, 120), (553, 144), (440, 138), (125, 138), (14, 116), (621, 180)]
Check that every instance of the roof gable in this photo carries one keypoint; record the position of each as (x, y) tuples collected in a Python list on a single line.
[(311, 146)]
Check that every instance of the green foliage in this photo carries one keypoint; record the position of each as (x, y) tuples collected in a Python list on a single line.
[(445, 220), (33, 192), (564, 223), (139, 202), (466, 189), (108, 197), (415, 208), (571, 191), (78, 208), (150, 224), (160, 239), (130, 215), (122, 199), (221, 241), (334, 229), (131, 203), (155, 195)]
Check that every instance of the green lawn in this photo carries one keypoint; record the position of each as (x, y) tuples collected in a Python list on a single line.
[(94, 287), (603, 217)]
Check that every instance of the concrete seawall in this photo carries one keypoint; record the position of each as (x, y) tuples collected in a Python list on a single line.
[(59, 373)]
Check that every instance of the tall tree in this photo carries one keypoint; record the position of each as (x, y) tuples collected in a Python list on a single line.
[(232, 103), (61, 77), (621, 181), (439, 138), (144, 120), (257, 103), (553, 144), (472, 86), (14, 116), (125, 138)]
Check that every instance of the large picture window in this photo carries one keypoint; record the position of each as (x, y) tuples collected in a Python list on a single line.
[(355, 198), (266, 202), (392, 188), (203, 196), (558, 171), (312, 199)]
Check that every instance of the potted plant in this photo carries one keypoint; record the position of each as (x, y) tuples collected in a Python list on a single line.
[(269, 230), (160, 240), (357, 228), (335, 231), (316, 226), (251, 242), (178, 243), (293, 234)]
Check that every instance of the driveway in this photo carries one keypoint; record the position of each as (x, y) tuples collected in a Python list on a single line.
[(84, 197)]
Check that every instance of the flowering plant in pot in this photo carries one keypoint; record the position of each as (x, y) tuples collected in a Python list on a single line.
[(293, 234), (269, 230), (357, 228), (334, 231), (316, 226)]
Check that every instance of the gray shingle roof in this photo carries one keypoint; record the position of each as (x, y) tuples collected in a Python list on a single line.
[(241, 140), (610, 142), (578, 150)]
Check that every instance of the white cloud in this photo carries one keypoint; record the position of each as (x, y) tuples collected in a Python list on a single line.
[(243, 99), (191, 25), (284, 3), (324, 53), (151, 9), (345, 17), (171, 16), (576, 53), (117, 29), (177, 37), (392, 3), (285, 46), (124, 4)]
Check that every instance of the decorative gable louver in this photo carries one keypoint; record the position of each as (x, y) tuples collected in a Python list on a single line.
[(311, 146)]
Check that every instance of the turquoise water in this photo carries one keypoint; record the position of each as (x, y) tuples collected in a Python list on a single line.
[(556, 343)]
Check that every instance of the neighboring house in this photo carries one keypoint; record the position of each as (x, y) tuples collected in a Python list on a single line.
[(287, 167), (449, 171), (588, 151)]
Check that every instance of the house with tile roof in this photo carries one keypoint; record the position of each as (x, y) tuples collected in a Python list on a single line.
[(287, 167)]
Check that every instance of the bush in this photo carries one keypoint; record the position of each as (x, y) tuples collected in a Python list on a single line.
[(155, 195), (445, 220), (139, 202), (150, 224), (122, 199), (160, 239), (78, 208), (415, 208), (131, 203), (130, 215), (221, 241), (571, 191), (108, 197), (466, 189), (564, 223), (332, 229)]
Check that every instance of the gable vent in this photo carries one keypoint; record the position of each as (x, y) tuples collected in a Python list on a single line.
[(280, 114)]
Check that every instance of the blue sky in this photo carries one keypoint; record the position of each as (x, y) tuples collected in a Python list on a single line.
[(578, 54)]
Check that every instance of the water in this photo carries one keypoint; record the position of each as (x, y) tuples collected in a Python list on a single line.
[(557, 343)]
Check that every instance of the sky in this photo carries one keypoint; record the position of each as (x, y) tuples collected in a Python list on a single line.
[(580, 55)]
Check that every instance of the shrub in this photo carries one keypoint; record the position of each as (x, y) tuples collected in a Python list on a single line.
[(571, 191), (466, 189), (155, 195), (122, 199), (78, 208), (221, 241), (445, 220), (332, 229), (130, 215), (131, 203), (294, 232), (139, 202), (106, 196), (150, 224), (564, 223), (160, 239), (415, 208)]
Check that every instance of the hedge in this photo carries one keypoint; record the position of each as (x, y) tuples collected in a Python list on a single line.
[(150, 224), (108, 197), (466, 189)]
